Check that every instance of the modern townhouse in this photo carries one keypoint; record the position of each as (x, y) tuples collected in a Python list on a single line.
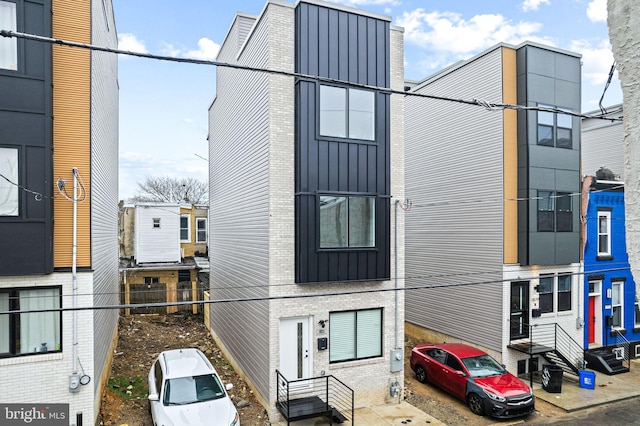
[(162, 247), (58, 207), (305, 173), (612, 316), (492, 238)]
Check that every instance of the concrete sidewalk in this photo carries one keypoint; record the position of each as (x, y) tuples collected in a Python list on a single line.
[(607, 389)]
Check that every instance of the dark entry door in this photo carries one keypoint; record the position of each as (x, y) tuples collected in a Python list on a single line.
[(519, 310)]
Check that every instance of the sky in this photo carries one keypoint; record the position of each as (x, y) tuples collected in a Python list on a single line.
[(164, 105)]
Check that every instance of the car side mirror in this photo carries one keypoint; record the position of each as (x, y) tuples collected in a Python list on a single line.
[(228, 386), (460, 373), (153, 397)]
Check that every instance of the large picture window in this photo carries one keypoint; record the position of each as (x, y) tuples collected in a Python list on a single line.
[(355, 335), (8, 45), (8, 172), (604, 233), (555, 129), (347, 113), (32, 332), (347, 221)]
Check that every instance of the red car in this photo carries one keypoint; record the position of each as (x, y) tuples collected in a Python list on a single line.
[(473, 376)]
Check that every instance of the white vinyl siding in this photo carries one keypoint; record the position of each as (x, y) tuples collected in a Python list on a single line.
[(157, 244)]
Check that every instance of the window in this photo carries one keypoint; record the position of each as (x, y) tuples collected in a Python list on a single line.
[(555, 129), (347, 221), (347, 113), (555, 211), (8, 46), (616, 303), (201, 230), (637, 315), (604, 233), (156, 222), (555, 290), (151, 280), (185, 235), (355, 335), (545, 290), (30, 333), (564, 293), (8, 170)]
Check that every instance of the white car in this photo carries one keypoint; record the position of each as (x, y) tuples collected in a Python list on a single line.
[(184, 389)]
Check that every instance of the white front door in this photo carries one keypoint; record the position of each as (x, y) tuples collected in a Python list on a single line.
[(295, 348)]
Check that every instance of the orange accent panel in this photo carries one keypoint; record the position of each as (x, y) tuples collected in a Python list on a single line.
[(510, 160), (71, 129)]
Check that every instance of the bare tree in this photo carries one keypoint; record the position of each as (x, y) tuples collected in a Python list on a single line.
[(172, 190)]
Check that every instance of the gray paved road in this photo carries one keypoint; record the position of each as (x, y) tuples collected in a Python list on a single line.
[(618, 413)]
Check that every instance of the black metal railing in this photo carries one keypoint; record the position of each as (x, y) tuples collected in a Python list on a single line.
[(621, 347), (314, 397)]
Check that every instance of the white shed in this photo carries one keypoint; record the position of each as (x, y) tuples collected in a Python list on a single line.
[(157, 233)]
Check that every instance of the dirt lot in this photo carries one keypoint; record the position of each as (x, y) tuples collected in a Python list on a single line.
[(143, 337)]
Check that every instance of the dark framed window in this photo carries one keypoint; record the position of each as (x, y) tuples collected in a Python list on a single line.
[(347, 113), (9, 196), (555, 211), (156, 222), (8, 45), (355, 335), (347, 221), (185, 234), (151, 280), (30, 333), (545, 290), (564, 293), (554, 129), (184, 276), (201, 230)]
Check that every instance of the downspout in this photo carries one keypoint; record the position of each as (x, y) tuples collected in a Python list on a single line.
[(73, 271), (395, 251)]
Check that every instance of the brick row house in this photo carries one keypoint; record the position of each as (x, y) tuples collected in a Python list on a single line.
[(304, 175), (58, 130), (492, 237)]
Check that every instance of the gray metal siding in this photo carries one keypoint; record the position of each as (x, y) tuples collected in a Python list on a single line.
[(104, 183), (349, 47), (26, 241), (550, 78), (454, 231), (602, 146), (239, 214)]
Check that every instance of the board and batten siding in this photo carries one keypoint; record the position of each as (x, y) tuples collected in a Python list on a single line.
[(239, 206), (454, 179), (157, 244), (104, 172)]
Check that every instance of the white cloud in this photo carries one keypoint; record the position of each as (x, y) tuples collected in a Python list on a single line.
[(207, 50), (128, 41), (448, 32), (597, 11), (528, 5), (596, 60)]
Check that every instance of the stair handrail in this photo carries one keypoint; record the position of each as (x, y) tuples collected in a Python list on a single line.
[(571, 350)]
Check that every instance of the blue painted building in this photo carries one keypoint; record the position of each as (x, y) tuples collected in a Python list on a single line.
[(610, 304)]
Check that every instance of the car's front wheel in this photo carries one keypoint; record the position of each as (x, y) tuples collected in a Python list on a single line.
[(421, 375), (475, 404)]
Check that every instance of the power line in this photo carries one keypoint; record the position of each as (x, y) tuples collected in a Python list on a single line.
[(299, 296), (491, 106)]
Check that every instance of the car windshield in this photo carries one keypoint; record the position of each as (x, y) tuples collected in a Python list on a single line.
[(187, 390), (483, 366)]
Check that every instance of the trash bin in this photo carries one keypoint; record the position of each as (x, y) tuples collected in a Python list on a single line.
[(552, 378), (587, 379)]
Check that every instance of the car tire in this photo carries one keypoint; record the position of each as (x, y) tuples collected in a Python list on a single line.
[(475, 404), (421, 374)]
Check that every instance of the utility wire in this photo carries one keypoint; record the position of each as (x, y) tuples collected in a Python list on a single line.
[(606, 86), (299, 296), (492, 106)]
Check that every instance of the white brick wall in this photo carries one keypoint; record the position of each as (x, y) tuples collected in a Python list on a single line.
[(45, 378)]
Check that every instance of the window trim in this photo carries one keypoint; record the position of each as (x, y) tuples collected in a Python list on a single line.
[(355, 343), (606, 214), (347, 112), (14, 321), (200, 220), (188, 228), (555, 293), (348, 246), (553, 209), (620, 286)]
